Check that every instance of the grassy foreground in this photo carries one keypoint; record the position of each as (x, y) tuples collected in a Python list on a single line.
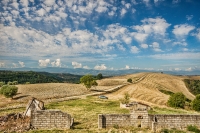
[(85, 113)]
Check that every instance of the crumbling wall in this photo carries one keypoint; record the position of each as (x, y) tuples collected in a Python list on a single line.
[(111, 120), (173, 121), (47, 119)]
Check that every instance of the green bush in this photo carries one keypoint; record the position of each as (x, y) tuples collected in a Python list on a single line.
[(129, 80), (1, 84), (196, 103), (177, 100), (193, 128), (8, 91)]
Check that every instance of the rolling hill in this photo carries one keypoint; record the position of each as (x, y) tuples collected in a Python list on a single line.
[(146, 87)]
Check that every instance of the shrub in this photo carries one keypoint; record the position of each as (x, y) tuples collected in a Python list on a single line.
[(193, 128), (126, 98), (9, 90), (177, 100), (1, 84), (196, 103), (129, 80)]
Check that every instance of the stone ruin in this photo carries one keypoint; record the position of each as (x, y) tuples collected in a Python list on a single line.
[(139, 117), (35, 117)]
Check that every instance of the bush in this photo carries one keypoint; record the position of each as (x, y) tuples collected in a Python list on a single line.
[(126, 98), (193, 128), (129, 80), (1, 84), (177, 100), (8, 91), (196, 103)]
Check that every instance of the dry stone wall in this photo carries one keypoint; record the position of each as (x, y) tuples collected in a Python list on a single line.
[(49, 119), (173, 121), (141, 118), (111, 120)]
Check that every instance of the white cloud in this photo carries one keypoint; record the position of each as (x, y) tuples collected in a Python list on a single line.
[(127, 39), (120, 47), (176, 56), (182, 30), (100, 67), (198, 34), (134, 2), (41, 12), (49, 2), (156, 47), (2, 64), (101, 9), (86, 67), (134, 49), (144, 46), (133, 10), (44, 63), (111, 13), (127, 67), (183, 43), (189, 17), (188, 69), (141, 37), (21, 64), (127, 5), (185, 49), (76, 65), (177, 69), (24, 3), (153, 25), (14, 65), (123, 12), (175, 1), (56, 63)]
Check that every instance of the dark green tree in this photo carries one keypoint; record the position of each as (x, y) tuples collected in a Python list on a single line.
[(9, 91), (129, 80), (1, 84), (88, 81), (177, 100), (196, 103), (99, 76)]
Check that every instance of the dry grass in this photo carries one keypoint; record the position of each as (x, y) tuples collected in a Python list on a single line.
[(147, 89)]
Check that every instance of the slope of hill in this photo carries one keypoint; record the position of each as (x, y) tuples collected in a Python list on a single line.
[(37, 77), (146, 86)]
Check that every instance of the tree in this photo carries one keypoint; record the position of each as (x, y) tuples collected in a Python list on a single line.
[(126, 98), (129, 80), (99, 76), (9, 90), (177, 100), (1, 84), (88, 81), (196, 103)]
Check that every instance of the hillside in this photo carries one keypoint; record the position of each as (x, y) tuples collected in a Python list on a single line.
[(37, 77), (146, 87)]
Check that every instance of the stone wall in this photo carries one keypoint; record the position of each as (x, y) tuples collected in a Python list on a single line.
[(141, 118), (173, 121), (49, 119), (111, 120)]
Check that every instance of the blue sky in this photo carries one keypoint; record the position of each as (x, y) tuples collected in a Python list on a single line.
[(100, 34)]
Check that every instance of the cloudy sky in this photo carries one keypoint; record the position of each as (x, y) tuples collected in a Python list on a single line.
[(100, 34)]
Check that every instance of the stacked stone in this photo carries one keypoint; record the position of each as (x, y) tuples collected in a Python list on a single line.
[(49, 119)]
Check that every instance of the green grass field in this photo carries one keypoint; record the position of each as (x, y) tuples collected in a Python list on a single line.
[(85, 113)]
